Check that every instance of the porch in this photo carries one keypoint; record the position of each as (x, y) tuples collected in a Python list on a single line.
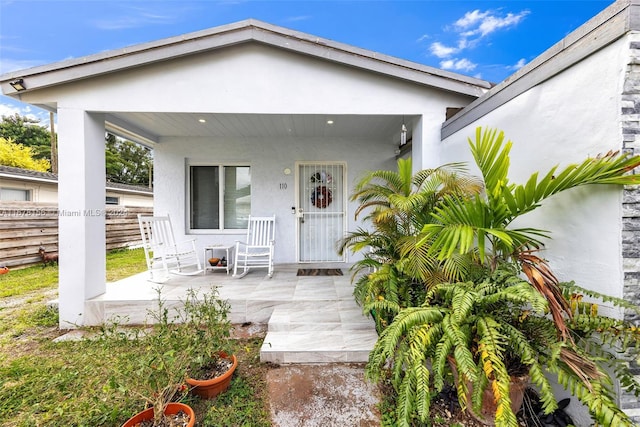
[(311, 319)]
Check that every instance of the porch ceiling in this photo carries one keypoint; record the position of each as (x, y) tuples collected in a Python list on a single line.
[(153, 126)]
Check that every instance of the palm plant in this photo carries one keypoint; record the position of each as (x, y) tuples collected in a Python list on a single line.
[(489, 316), (482, 224), (398, 204)]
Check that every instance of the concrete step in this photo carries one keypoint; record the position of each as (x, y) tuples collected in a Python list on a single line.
[(336, 333), (333, 315), (317, 347)]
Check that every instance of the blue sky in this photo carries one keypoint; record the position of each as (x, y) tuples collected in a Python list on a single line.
[(485, 39)]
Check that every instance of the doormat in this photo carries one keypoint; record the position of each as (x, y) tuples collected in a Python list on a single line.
[(319, 272)]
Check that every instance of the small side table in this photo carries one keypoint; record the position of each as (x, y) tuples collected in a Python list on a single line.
[(215, 250)]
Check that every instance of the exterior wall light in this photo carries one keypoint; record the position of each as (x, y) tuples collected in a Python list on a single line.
[(403, 135), (18, 85)]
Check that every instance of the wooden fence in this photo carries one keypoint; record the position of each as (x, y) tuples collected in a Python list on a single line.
[(24, 227)]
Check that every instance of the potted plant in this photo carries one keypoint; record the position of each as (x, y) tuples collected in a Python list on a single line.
[(494, 334), (213, 361), (504, 308), (178, 342), (158, 374)]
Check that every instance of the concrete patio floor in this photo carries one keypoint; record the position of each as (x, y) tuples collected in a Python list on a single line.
[(311, 319)]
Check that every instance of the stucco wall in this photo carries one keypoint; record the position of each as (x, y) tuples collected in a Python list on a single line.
[(41, 192), (557, 123), (131, 199), (268, 157), (252, 78)]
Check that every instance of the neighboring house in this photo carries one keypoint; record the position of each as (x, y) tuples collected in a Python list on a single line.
[(24, 185), (255, 118)]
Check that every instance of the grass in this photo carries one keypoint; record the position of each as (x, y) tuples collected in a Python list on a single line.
[(20, 282), (120, 264), (49, 384)]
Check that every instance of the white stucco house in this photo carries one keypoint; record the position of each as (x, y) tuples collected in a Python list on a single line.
[(254, 118), (243, 118)]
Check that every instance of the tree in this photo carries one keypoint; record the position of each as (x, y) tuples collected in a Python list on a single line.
[(127, 162), (29, 133), (20, 156)]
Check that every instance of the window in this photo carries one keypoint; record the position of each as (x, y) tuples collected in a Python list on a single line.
[(15, 194), (219, 197), (111, 200)]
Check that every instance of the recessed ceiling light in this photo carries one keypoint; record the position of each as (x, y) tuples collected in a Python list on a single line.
[(329, 122), (202, 120)]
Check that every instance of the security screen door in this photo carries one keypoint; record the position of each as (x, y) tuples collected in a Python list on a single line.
[(320, 211)]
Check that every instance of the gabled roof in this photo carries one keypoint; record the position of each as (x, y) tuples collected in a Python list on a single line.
[(52, 178), (232, 34)]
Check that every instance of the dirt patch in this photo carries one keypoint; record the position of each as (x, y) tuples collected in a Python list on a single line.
[(322, 396), (248, 330)]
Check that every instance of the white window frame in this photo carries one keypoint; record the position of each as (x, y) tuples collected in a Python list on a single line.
[(221, 179)]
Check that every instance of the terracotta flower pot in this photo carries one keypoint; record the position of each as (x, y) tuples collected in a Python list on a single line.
[(208, 389), (172, 408), (517, 388), (487, 417)]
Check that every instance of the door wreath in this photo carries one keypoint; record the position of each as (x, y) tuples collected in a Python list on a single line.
[(321, 197)]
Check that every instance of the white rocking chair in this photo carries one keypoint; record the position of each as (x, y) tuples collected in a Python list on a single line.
[(257, 251), (161, 251)]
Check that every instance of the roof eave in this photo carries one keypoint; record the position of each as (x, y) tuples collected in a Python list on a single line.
[(229, 35), (8, 175)]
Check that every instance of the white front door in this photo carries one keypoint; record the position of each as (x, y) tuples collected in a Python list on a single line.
[(321, 209)]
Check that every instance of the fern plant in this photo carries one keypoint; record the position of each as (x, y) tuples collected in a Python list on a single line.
[(496, 327)]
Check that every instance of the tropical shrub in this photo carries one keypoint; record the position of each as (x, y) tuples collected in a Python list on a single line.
[(507, 309), (494, 328), (398, 205)]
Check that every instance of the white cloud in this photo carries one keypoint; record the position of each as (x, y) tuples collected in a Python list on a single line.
[(442, 51), (470, 30), (521, 63), (8, 64), (470, 18), (458, 65), (9, 107), (136, 17), (9, 110), (298, 18), (481, 24), (493, 23)]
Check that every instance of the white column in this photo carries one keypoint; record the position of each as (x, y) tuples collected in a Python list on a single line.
[(81, 222), (417, 145), (427, 142)]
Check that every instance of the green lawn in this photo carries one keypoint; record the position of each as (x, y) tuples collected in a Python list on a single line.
[(44, 384), (120, 264)]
